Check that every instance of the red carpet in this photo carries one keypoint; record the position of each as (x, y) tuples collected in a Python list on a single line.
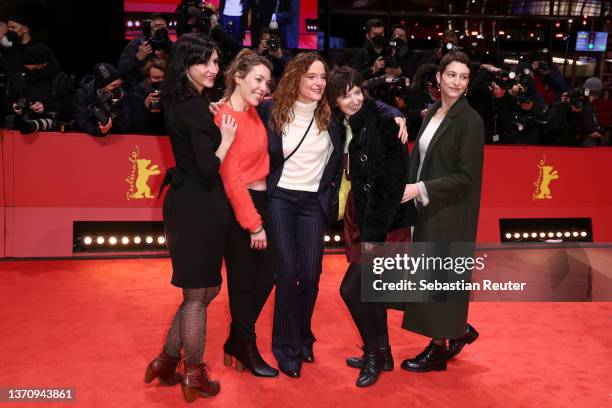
[(94, 325)]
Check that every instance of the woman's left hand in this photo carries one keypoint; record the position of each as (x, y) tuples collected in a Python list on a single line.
[(403, 131), (410, 192)]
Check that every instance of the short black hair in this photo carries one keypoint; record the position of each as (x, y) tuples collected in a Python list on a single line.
[(341, 80), (374, 22), (401, 26)]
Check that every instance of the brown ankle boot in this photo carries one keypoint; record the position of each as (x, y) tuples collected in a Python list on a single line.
[(197, 383), (164, 368)]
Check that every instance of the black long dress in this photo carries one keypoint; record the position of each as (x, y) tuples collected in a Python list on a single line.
[(196, 210)]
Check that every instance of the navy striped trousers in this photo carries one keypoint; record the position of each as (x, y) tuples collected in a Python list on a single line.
[(297, 225)]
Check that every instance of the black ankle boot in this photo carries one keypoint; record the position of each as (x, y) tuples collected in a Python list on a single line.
[(432, 358), (373, 361), (456, 345), (247, 356), (357, 362)]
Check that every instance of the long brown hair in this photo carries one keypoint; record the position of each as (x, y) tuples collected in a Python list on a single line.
[(242, 64), (288, 89)]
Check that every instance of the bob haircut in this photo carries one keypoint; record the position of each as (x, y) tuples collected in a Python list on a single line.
[(454, 56), (342, 80)]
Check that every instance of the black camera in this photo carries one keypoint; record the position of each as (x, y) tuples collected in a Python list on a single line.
[(274, 41), (159, 41), (387, 89), (202, 18), (26, 125), (527, 121), (578, 97), (102, 109), (503, 78)]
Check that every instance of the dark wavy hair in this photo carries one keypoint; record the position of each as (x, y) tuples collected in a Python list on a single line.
[(190, 49), (341, 80)]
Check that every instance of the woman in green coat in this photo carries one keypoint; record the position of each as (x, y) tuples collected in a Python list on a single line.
[(445, 175)]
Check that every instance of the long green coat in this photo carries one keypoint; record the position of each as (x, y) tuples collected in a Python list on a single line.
[(452, 174)]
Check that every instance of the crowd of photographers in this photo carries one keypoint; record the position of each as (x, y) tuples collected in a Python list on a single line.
[(526, 103)]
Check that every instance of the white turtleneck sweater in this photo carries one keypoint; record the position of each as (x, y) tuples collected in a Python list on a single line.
[(303, 171)]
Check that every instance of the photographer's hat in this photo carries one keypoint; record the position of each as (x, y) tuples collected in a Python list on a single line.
[(594, 85), (36, 53), (104, 74), (22, 18)]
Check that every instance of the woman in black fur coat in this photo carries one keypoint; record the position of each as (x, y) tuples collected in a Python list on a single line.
[(376, 165)]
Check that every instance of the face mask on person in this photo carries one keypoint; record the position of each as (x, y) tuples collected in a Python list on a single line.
[(12, 37), (117, 94), (161, 34), (5, 42), (378, 41), (36, 74)]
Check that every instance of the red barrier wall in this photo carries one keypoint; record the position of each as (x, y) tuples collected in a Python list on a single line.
[(53, 179)]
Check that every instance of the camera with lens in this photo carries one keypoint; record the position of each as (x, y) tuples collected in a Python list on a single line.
[(30, 122), (155, 102), (102, 109), (504, 78), (449, 47), (202, 17), (158, 41), (528, 120), (578, 97), (274, 41), (388, 89)]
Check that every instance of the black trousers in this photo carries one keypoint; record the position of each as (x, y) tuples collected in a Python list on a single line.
[(250, 274), (298, 225), (370, 317)]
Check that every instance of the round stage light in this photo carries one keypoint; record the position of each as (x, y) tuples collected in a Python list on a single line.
[(567, 234), (517, 235), (525, 235), (137, 240), (337, 238), (112, 240), (327, 238), (125, 240), (575, 234), (534, 235), (149, 239), (87, 240), (130, 23), (542, 235), (583, 234), (161, 240), (559, 235), (508, 235), (100, 240)]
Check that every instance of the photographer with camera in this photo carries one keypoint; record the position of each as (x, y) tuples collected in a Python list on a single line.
[(195, 16), (404, 61), (448, 42), (575, 121), (153, 43), (143, 100), (369, 61), (99, 106), (528, 121), (270, 47), (549, 81), (421, 95), (40, 95)]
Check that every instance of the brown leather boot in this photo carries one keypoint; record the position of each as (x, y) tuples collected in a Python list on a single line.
[(197, 383), (164, 368)]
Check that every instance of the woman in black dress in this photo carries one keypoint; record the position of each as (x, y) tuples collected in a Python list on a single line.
[(196, 211)]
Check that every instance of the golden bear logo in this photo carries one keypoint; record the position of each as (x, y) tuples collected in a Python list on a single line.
[(546, 175), (139, 176)]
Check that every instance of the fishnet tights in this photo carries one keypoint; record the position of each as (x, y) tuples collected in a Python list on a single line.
[(188, 330)]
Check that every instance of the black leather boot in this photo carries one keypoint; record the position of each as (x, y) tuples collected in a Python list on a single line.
[(456, 345), (373, 361), (247, 356), (357, 362), (432, 358)]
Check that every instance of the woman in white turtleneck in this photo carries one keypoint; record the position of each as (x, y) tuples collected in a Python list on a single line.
[(305, 154)]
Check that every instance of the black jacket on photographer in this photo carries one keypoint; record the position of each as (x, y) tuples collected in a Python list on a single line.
[(90, 95), (571, 128), (406, 59), (49, 86), (130, 67), (365, 57), (523, 126), (378, 173), (143, 118)]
